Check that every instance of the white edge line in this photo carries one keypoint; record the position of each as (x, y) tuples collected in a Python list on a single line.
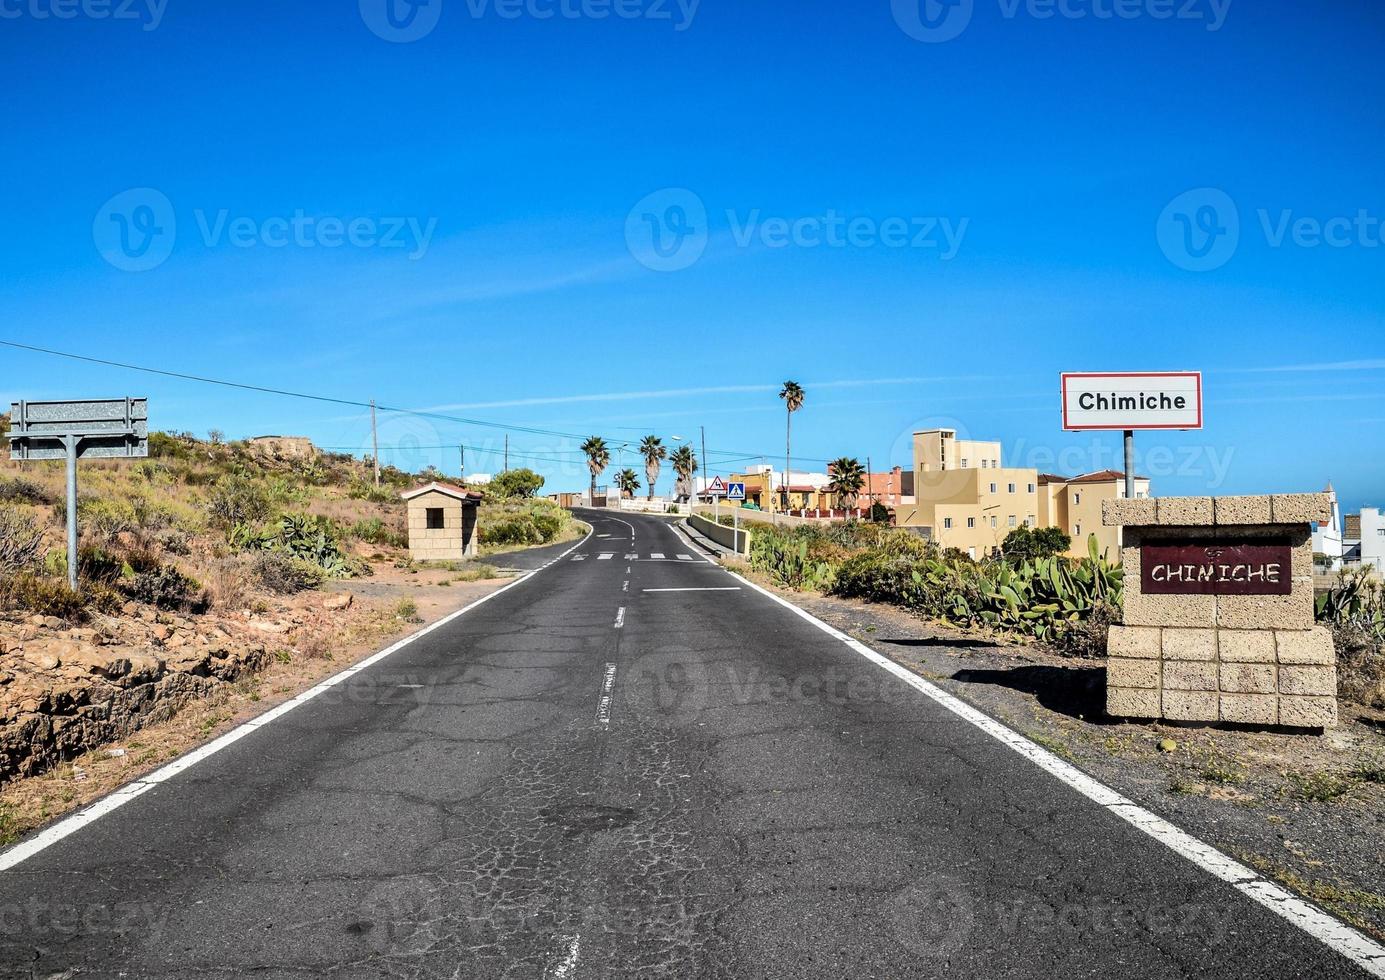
[(69, 825), (1336, 935)]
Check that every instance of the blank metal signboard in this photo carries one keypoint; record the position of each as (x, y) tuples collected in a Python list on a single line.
[(109, 428), (102, 428)]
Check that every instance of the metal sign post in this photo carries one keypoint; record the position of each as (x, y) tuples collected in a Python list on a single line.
[(114, 428), (716, 490), (736, 491)]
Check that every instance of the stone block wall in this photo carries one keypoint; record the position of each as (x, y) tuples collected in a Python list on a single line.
[(1250, 659)]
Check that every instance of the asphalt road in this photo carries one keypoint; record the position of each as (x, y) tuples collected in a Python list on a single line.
[(590, 777)]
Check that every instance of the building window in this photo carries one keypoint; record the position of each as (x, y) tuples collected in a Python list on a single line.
[(964, 464), (1029, 521), (1077, 498), (971, 522), (1013, 521), (985, 463), (1009, 488), (1031, 488), (947, 523), (993, 521), (435, 519), (993, 488), (1077, 531)]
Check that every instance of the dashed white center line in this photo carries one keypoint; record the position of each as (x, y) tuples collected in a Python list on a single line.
[(620, 617), (656, 555), (603, 705), (685, 557), (626, 586), (605, 556), (579, 557)]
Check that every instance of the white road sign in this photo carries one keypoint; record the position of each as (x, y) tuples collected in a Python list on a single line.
[(1132, 400)]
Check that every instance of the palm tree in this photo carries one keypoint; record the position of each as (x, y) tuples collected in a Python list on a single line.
[(598, 458), (792, 393), (847, 479), (627, 482), (653, 450), (684, 466)]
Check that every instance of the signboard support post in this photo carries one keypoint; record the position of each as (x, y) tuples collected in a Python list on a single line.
[(70, 443), (102, 428), (1129, 464)]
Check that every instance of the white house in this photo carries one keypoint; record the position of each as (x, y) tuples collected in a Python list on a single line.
[(1373, 539), (1327, 538)]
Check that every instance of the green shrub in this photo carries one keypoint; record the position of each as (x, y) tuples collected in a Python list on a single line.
[(1026, 543), (1042, 598), (238, 499), (304, 536), (521, 483), (103, 517), (549, 525), (375, 531), (96, 564), (21, 541), (166, 588), (17, 490), (284, 574), (32, 593), (520, 529), (361, 490)]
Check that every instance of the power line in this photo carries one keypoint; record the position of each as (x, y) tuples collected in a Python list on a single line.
[(352, 403)]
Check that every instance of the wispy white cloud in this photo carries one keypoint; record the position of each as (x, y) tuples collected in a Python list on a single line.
[(624, 396), (1376, 364)]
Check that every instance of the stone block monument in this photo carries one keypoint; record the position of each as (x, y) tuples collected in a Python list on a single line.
[(1219, 618)]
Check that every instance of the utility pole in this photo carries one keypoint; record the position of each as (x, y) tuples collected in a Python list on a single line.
[(375, 442), (462, 452), (870, 484), (507, 452), (703, 430)]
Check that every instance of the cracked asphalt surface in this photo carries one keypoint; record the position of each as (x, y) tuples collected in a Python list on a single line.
[(742, 796)]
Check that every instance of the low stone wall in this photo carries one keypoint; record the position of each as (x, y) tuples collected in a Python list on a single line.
[(65, 691), (727, 537), (1220, 638)]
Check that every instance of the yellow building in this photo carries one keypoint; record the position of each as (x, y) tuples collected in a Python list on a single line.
[(1074, 504), (971, 502)]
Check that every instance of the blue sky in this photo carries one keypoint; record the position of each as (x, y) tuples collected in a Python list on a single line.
[(491, 170)]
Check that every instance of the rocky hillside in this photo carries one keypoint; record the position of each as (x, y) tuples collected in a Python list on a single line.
[(198, 566)]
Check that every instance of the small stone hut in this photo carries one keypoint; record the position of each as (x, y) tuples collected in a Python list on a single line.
[(442, 522)]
